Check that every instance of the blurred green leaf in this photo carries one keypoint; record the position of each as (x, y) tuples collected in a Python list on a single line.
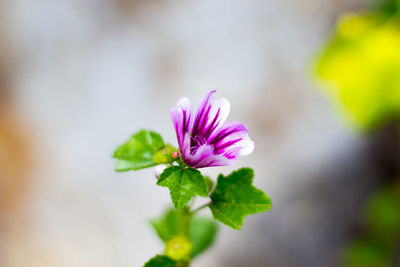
[(386, 7), (360, 69), (365, 254), (383, 214), (160, 261), (138, 152), (183, 183), (377, 247), (202, 230), (202, 233), (169, 225), (235, 197)]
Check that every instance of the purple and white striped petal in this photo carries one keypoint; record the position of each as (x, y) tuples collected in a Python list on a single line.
[(232, 140), (210, 115), (181, 116)]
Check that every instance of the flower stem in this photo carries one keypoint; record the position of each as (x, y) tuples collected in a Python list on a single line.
[(201, 207), (187, 217)]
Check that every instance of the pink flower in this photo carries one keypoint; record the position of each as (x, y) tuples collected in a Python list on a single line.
[(204, 140)]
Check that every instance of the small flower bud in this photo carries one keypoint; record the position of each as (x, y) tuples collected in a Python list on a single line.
[(179, 248), (175, 154), (165, 155), (158, 170)]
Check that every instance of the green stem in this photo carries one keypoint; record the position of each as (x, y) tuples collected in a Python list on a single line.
[(201, 207), (181, 162), (187, 217)]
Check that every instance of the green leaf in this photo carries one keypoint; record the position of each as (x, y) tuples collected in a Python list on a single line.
[(160, 261), (138, 152), (169, 225), (202, 233), (209, 182), (235, 197), (183, 184), (202, 230)]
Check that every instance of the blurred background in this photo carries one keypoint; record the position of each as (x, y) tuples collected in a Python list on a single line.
[(317, 82)]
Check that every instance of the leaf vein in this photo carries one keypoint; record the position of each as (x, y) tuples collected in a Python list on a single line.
[(180, 188), (226, 217)]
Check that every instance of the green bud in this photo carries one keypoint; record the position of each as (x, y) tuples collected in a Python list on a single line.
[(166, 154), (179, 248)]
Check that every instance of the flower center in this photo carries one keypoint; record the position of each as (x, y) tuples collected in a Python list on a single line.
[(196, 142)]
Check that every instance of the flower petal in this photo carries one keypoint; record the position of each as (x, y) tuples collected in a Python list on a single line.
[(247, 146), (232, 140), (210, 116), (204, 156), (181, 116)]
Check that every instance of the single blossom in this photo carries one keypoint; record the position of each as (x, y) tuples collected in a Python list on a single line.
[(204, 140)]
